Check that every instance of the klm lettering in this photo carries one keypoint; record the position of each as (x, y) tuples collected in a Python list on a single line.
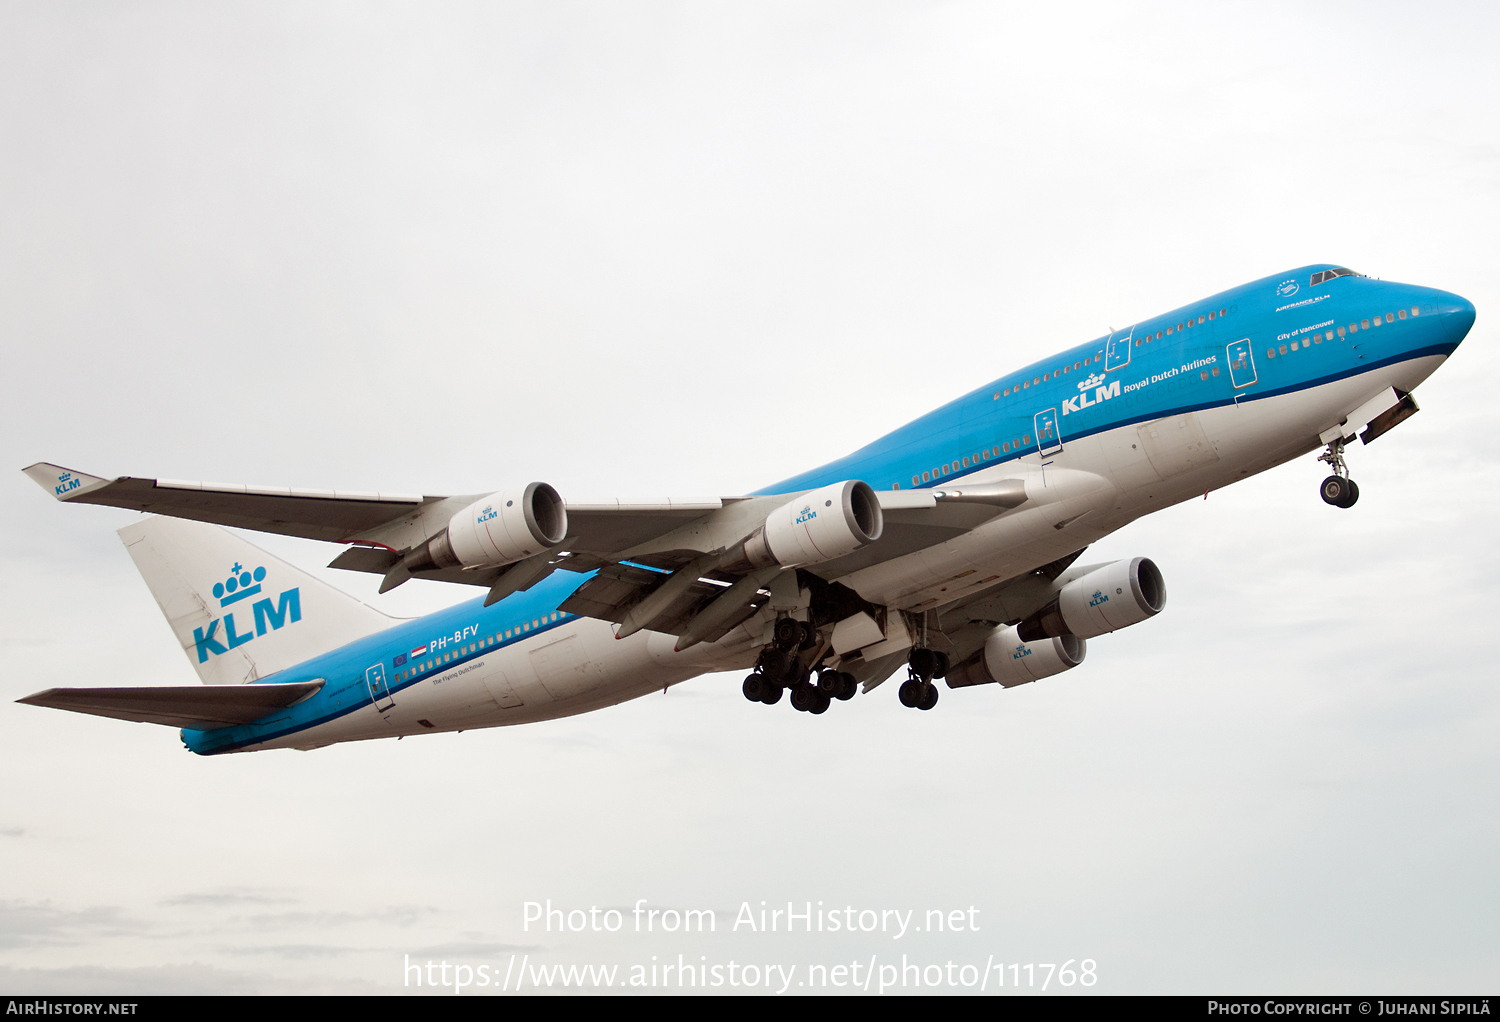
[(1097, 599), (1077, 404), (268, 617), (807, 515), (67, 482)]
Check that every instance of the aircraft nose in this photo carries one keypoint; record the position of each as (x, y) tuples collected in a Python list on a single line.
[(1458, 317)]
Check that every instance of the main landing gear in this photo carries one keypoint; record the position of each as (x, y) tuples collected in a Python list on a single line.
[(780, 669), (918, 691), (1338, 489)]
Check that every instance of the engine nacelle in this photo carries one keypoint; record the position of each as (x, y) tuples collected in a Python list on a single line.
[(500, 529), (818, 526), (1010, 660), (1105, 600)]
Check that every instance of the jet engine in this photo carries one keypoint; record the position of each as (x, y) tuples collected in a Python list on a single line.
[(1010, 660), (500, 529), (818, 526), (1108, 598)]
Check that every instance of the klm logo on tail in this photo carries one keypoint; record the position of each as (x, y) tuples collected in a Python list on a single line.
[(269, 616)]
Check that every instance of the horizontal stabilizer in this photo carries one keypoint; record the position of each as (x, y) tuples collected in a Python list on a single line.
[(199, 708)]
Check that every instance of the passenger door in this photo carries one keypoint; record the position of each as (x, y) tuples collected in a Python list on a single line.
[(379, 691), (1241, 363)]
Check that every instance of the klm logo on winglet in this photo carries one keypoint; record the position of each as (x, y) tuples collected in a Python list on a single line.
[(1101, 394), (269, 616), (66, 483)]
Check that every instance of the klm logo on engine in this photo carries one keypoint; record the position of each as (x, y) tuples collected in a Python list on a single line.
[(269, 615), (1021, 651), (488, 513), (1101, 394), (1098, 598), (807, 514)]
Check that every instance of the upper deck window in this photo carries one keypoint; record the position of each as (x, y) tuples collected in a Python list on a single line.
[(1338, 271)]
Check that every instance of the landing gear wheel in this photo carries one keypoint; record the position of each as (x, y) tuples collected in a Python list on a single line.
[(771, 694), (1353, 493), (910, 692), (847, 687), (809, 636), (802, 697), (788, 633), (828, 682), (820, 702), (929, 697), (941, 665), (774, 663), (1335, 490), (754, 688)]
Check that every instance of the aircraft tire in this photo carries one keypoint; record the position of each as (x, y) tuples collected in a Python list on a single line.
[(1335, 490), (802, 697), (929, 697), (847, 687), (754, 688), (771, 694), (1352, 496), (910, 692), (788, 633), (820, 702)]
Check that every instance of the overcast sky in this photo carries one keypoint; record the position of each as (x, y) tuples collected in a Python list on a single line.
[(688, 250)]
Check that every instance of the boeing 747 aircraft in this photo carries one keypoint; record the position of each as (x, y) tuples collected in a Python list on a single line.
[(950, 547)]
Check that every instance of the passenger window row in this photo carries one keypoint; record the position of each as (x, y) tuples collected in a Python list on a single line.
[(1049, 375), (1353, 328), (969, 461), (1188, 324), (437, 661)]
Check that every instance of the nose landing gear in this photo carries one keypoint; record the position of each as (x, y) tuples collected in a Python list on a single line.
[(1338, 489)]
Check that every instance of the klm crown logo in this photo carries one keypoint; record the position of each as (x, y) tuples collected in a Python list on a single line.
[(807, 514), (241, 585), (1098, 598)]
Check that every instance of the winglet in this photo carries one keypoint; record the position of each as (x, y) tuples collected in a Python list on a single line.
[(64, 483)]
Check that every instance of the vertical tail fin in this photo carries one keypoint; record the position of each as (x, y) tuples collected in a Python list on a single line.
[(238, 612)]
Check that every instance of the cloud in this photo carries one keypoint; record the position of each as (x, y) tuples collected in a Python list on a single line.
[(28, 924)]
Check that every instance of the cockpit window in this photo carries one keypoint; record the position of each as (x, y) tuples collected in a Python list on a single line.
[(1339, 271)]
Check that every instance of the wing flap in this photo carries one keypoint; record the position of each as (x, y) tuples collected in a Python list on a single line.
[(196, 708)]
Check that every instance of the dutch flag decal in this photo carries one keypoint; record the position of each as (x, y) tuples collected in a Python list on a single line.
[(419, 651)]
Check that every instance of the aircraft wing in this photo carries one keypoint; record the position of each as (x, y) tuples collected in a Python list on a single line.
[(332, 515), (387, 533), (199, 708)]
